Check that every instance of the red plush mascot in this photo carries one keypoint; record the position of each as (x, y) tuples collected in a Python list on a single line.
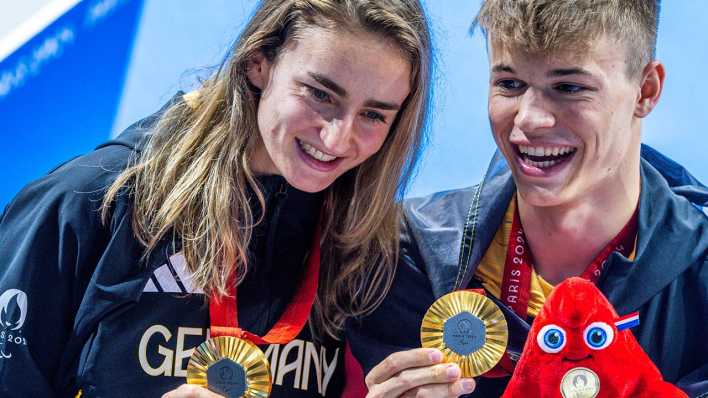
[(579, 348)]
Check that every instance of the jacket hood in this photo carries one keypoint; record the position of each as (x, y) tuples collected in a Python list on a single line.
[(682, 183)]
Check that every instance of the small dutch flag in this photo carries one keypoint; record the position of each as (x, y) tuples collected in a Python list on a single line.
[(627, 321)]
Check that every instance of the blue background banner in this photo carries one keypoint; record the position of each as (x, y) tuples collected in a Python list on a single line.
[(60, 91)]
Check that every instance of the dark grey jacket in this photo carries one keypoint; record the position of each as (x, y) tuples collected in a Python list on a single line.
[(446, 235)]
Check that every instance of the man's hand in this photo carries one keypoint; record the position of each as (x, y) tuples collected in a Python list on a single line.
[(417, 373), (191, 391)]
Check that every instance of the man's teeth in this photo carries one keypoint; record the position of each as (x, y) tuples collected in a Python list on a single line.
[(545, 151), (544, 157), (541, 165), (315, 153)]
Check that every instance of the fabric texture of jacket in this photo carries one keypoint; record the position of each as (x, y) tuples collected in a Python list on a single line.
[(445, 235), (81, 309)]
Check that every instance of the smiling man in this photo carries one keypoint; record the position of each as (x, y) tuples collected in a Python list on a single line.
[(570, 192)]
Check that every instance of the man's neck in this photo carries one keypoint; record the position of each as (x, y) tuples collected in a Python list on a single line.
[(564, 240)]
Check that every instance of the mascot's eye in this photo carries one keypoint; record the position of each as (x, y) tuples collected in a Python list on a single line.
[(551, 338), (599, 335)]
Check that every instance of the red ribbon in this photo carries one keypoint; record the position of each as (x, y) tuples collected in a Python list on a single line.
[(223, 311)]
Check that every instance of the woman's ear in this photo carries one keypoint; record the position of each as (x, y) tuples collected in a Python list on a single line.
[(258, 70), (652, 85)]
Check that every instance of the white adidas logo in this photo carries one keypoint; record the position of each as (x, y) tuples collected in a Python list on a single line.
[(172, 277)]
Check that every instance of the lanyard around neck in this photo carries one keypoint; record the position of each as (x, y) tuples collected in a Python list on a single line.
[(518, 268), (223, 311)]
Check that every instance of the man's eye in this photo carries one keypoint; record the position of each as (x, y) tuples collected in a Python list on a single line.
[(569, 88), (510, 84), (319, 95), (375, 116)]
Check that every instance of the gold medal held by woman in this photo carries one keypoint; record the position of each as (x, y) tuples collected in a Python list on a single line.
[(230, 366), (468, 328)]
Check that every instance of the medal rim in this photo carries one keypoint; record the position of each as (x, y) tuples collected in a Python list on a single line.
[(479, 306), (580, 368), (249, 356)]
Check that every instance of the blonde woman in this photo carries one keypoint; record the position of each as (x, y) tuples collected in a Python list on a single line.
[(114, 264)]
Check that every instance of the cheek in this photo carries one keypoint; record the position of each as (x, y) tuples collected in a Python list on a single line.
[(502, 112), (283, 118), (371, 143), (589, 126)]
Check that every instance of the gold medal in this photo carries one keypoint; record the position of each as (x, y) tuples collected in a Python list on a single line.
[(580, 383), (468, 328), (230, 366)]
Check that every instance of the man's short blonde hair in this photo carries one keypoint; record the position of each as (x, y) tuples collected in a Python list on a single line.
[(549, 26)]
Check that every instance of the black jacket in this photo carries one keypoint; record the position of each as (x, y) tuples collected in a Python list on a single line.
[(81, 309), (446, 235)]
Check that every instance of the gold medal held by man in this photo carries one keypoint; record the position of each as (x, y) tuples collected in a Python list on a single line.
[(468, 328)]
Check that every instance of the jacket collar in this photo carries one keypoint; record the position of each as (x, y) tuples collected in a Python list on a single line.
[(672, 237), (496, 190)]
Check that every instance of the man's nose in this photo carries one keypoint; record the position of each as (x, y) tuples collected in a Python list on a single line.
[(337, 135), (534, 113)]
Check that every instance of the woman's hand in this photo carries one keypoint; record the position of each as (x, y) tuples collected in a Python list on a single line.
[(417, 373), (191, 391)]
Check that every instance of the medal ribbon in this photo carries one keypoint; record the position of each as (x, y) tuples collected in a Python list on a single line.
[(516, 282), (223, 312)]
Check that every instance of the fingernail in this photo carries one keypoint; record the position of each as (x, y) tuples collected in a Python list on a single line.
[(435, 356), (453, 372), (468, 385)]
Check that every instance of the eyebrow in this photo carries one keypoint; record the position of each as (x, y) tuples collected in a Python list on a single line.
[(327, 82), (503, 68), (340, 91), (568, 72), (553, 73), (387, 106)]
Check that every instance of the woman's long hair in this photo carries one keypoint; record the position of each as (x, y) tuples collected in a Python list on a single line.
[(191, 181)]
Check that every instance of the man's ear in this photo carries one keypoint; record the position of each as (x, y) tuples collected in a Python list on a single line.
[(258, 70), (651, 86)]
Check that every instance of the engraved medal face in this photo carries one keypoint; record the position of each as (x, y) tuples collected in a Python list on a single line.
[(464, 333), (580, 383), (227, 378), (231, 367), (468, 328)]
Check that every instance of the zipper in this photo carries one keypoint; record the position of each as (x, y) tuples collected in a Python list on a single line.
[(468, 236), (276, 205)]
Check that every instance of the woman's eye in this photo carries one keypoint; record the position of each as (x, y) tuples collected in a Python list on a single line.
[(375, 116), (551, 338), (568, 88), (319, 95), (510, 84)]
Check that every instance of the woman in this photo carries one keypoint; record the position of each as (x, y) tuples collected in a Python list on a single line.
[(314, 123)]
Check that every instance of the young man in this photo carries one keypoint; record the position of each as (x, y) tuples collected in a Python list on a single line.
[(570, 82)]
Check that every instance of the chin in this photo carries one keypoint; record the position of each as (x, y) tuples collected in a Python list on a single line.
[(541, 197), (309, 185)]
